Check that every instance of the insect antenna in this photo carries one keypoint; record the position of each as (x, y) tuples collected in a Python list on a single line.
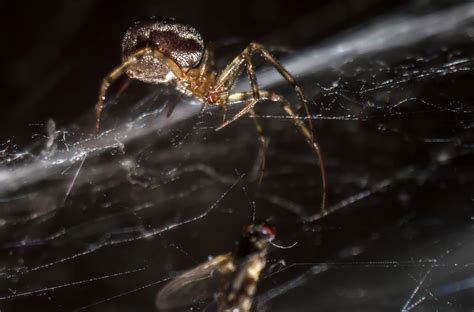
[(251, 204), (283, 247)]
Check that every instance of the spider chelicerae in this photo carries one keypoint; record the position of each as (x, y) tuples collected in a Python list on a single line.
[(161, 51)]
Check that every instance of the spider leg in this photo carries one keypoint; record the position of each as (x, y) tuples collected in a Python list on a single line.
[(120, 70), (208, 61), (112, 76), (228, 77), (244, 96), (263, 145), (285, 74), (275, 98), (310, 139), (172, 105), (256, 98), (224, 114), (232, 71), (123, 87), (246, 109)]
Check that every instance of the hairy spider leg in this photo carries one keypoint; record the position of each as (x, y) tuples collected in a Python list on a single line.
[(120, 70)]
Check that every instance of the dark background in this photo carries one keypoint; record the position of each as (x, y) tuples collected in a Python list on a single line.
[(395, 129)]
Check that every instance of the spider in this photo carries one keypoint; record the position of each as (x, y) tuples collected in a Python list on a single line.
[(163, 51)]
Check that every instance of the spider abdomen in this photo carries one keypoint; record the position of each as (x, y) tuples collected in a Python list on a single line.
[(182, 44)]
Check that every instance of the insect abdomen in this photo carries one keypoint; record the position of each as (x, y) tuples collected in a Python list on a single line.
[(240, 287)]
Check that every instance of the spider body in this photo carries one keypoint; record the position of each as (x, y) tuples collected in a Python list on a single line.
[(160, 51), (183, 44)]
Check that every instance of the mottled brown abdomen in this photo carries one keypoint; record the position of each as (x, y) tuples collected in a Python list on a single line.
[(182, 44)]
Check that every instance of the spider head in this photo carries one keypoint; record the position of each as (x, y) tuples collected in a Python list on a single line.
[(182, 44)]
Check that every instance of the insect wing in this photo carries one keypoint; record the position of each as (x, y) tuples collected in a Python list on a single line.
[(192, 286)]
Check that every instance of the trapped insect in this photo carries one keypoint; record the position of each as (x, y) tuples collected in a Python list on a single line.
[(233, 276), (160, 51)]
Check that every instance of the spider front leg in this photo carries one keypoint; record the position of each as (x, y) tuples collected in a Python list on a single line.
[(120, 70), (112, 76)]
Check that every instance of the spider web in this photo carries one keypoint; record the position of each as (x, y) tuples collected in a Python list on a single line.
[(101, 222)]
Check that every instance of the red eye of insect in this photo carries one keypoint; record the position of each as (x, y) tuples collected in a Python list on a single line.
[(268, 230)]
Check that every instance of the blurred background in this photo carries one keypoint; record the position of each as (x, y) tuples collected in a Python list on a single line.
[(100, 222)]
